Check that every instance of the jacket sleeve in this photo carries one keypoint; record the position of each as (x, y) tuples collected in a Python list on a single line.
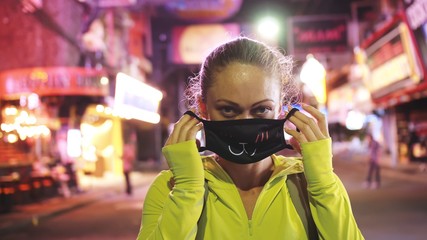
[(329, 201), (172, 212)]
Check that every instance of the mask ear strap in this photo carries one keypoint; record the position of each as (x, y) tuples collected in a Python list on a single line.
[(193, 115), (291, 113), (200, 148)]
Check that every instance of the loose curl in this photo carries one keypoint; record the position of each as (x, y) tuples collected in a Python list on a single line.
[(246, 51)]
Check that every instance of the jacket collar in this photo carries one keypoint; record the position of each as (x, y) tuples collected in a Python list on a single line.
[(283, 166)]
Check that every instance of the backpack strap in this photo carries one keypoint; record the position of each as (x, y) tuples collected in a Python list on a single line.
[(297, 186)]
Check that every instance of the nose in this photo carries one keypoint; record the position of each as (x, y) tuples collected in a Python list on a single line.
[(244, 115)]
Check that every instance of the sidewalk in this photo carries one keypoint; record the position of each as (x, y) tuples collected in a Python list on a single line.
[(358, 157), (94, 189)]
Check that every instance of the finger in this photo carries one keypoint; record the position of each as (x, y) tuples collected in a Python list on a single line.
[(299, 136), (290, 112), (173, 138), (185, 128), (312, 123), (168, 141), (295, 144), (320, 117), (304, 128), (191, 134)]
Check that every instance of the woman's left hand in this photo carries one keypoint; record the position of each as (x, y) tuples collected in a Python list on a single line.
[(312, 128)]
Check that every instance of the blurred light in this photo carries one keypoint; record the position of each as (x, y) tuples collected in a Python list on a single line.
[(268, 28), (100, 108), (22, 136), (23, 101), (90, 154), (74, 143), (11, 111), (24, 114), (355, 120), (104, 81), (7, 127), (45, 131), (108, 111), (313, 74), (135, 113), (89, 130), (30, 120), (108, 151), (39, 74), (12, 138), (146, 90), (33, 101)]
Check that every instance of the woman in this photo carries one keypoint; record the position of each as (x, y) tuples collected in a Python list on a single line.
[(241, 192)]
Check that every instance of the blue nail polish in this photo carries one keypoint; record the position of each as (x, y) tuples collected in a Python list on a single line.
[(297, 106)]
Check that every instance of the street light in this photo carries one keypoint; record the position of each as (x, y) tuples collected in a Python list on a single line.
[(268, 28)]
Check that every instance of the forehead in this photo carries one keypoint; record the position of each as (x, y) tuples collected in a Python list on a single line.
[(239, 81)]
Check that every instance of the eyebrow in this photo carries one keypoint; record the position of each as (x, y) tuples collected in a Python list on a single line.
[(235, 104)]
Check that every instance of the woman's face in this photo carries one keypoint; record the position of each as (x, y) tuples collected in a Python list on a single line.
[(241, 91)]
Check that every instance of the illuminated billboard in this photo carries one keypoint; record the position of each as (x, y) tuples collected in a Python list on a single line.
[(393, 62), (134, 99), (318, 34), (191, 44), (54, 81)]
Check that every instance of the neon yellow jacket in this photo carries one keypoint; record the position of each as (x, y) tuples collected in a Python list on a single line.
[(181, 211)]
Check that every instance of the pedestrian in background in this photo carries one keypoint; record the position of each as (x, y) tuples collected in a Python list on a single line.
[(373, 178), (129, 155), (242, 191), (68, 163)]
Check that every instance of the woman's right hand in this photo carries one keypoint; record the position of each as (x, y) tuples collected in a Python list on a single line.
[(184, 162), (184, 129)]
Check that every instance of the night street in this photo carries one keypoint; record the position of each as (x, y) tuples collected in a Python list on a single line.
[(395, 211), (95, 95)]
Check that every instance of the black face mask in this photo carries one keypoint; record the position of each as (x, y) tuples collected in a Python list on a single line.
[(247, 140)]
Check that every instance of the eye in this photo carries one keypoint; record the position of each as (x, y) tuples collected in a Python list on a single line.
[(262, 111), (228, 111)]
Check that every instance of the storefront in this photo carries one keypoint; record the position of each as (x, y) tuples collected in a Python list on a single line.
[(41, 112), (396, 57), (106, 127), (101, 142)]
